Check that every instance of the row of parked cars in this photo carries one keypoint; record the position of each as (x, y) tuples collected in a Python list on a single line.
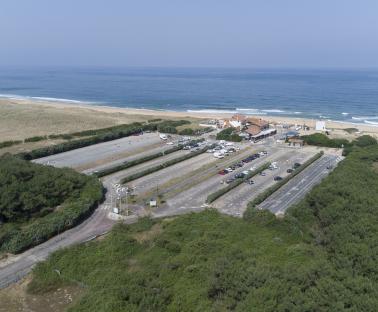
[(240, 164)]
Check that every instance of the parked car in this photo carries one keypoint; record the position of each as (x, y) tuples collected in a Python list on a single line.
[(277, 178), (296, 165), (228, 181), (262, 173), (289, 170), (239, 175)]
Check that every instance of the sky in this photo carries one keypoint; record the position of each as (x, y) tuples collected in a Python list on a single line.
[(195, 33)]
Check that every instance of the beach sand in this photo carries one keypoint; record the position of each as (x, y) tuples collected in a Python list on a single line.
[(25, 118)]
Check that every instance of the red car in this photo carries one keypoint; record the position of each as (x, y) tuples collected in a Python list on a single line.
[(222, 172)]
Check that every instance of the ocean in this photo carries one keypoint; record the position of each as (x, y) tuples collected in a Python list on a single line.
[(340, 95)]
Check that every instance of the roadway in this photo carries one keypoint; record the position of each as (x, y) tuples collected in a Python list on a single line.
[(296, 189), (192, 199), (235, 202)]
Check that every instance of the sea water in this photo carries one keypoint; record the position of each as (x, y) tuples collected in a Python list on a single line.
[(341, 95)]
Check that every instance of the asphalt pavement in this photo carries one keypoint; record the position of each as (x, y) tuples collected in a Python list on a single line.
[(296, 189)]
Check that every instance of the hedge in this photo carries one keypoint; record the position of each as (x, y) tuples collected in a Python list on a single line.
[(9, 143), (162, 166), (35, 139), (261, 197), (212, 197)]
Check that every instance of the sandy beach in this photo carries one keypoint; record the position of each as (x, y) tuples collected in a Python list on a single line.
[(21, 118)]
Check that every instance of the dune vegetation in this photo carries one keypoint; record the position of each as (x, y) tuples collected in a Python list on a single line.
[(320, 257), (37, 202)]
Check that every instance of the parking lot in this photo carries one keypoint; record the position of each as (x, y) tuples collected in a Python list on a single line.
[(235, 202), (186, 185), (104, 153)]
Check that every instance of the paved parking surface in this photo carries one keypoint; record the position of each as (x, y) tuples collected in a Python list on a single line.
[(235, 202), (107, 150), (296, 189)]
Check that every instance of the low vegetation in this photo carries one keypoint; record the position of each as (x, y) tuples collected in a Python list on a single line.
[(212, 197), (37, 202), (319, 139), (35, 139), (169, 126), (320, 257), (351, 130), (9, 143), (229, 134)]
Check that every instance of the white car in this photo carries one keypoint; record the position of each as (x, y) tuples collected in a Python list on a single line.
[(169, 143)]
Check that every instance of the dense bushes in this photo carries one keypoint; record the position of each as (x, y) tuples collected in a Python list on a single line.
[(169, 126), (320, 139), (30, 195), (320, 257), (364, 141), (162, 166), (199, 131), (229, 134), (212, 197)]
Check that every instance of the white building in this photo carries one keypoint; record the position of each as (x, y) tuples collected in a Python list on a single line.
[(320, 125)]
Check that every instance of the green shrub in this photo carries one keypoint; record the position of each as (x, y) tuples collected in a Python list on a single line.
[(364, 141), (35, 139), (9, 143), (229, 134), (29, 194), (65, 136), (320, 139)]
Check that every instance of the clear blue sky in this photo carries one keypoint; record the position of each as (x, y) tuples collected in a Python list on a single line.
[(200, 33)]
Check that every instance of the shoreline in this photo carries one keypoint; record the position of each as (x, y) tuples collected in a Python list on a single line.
[(273, 119)]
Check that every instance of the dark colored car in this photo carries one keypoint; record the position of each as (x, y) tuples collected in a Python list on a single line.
[(289, 170), (239, 175), (296, 165), (277, 178), (228, 181)]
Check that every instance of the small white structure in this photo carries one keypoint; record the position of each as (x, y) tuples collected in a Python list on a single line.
[(153, 203), (320, 125), (235, 124), (115, 210)]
